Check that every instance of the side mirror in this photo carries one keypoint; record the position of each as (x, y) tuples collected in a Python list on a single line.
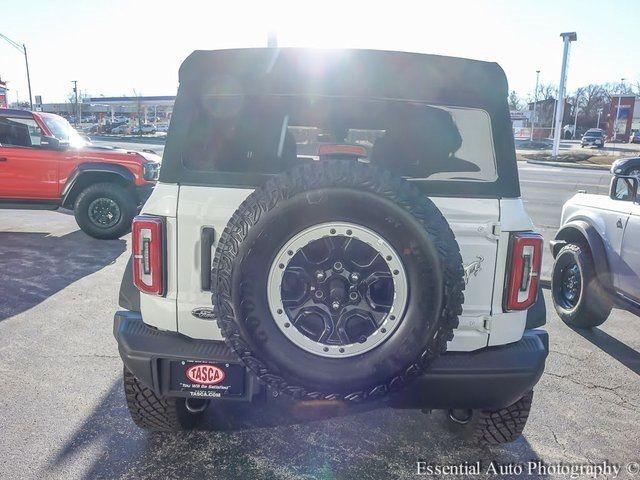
[(52, 143), (624, 188)]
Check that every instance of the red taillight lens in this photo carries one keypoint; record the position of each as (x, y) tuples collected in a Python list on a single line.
[(526, 259), (148, 254), (343, 150)]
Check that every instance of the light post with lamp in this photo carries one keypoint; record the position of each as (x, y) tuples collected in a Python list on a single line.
[(22, 49), (535, 101)]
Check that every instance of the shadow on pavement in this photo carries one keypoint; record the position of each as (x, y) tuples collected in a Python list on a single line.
[(267, 441), (626, 355), (34, 266)]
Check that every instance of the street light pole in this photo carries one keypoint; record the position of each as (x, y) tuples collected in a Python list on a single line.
[(22, 49), (599, 113), (26, 62), (567, 38), (535, 101), (615, 123), (575, 120), (75, 110)]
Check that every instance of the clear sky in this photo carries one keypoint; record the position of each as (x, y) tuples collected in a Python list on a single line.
[(113, 47)]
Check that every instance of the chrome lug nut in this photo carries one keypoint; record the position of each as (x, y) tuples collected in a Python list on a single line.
[(337, 266), (335, 305), (354, 277), (319, 294), (319, 276)]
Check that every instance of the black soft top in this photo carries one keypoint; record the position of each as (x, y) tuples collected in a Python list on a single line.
[(432, 79), (349, 73)]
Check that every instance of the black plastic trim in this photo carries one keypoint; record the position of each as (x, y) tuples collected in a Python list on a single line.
[(207, 237), (537, 314), (129, 296), (85, 168), (493, 377), (147, 353), (28, 204)]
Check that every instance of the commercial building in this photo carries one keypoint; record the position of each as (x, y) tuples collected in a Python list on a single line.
[(623, 117)]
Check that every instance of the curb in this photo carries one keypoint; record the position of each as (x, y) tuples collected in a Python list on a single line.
[(117, 138), (570, 165)]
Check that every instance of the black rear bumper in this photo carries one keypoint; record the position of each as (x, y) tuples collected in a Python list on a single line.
[(494, 377)]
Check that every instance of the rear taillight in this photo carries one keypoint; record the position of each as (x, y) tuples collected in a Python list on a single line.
[(522, 281), (148, 254), (342, 150)]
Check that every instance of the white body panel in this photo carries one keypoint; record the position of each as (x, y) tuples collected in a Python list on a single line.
[(481, 227)]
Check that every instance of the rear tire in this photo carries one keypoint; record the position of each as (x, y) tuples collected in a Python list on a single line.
[(158, 414), (578, 295), (493, 427), (105, 210)]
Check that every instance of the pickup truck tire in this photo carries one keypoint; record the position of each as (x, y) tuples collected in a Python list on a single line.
[(159, 414), (493, 427), (342, 200), (105, 210), (578, 296)]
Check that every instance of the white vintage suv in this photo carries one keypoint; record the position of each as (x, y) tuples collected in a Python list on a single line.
[(597, 252), (337, 226)]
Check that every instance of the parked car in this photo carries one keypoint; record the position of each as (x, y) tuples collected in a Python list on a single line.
[(634, 137), (145, 129), (594, 137), (597, 253), (45, 164), (336, 279), (123, 129)]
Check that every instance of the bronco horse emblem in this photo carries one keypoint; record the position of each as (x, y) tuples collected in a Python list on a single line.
[(472, 269)]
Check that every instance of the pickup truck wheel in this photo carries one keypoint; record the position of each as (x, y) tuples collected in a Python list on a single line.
[(337, 280), (578, 295), (105, 210), (160, 414), (492, 427)]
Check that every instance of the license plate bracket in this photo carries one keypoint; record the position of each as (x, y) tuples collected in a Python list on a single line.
[(196, 378)]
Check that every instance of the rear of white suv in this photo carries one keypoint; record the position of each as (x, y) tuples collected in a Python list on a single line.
[(285, 260)]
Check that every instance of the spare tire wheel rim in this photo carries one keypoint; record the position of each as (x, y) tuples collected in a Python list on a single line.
[(337, 289)]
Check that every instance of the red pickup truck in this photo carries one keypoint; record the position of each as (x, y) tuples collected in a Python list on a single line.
[(45, 164)]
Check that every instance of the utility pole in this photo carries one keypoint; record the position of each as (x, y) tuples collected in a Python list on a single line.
[(535, 102), (22, 49), (575, 120), (567, 38), (75, 110), (599, 113), (615, 123)]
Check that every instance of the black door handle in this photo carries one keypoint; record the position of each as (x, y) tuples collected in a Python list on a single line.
[(3, 159), (207, 236), (619, 223)]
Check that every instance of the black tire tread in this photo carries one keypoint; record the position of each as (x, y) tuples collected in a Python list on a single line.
[(493, 427), (150, 412), (346, 174)]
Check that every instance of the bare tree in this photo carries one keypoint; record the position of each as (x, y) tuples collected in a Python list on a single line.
[(514, 101)]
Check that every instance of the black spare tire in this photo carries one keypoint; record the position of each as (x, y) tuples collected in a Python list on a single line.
[(337, 280)]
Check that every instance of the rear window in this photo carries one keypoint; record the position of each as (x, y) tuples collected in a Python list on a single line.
[(268, 134)]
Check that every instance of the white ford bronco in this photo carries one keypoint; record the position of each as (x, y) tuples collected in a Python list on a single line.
[(336, 226), (597, 251)]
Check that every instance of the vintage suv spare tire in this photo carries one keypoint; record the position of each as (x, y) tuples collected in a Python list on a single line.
[(337, 280)]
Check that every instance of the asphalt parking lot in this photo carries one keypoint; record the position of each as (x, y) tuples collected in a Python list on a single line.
[(62, 411)]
